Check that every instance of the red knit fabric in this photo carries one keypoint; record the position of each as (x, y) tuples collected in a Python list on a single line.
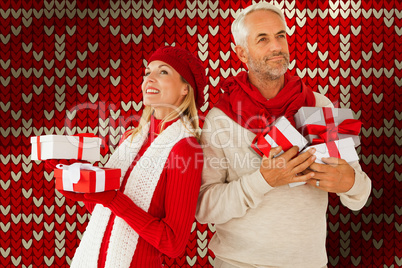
[(166, 226), (244, 103)]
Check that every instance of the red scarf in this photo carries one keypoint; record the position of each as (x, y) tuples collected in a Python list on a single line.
[(244, 103)]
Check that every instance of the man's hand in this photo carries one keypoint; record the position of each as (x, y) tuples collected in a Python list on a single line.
[(335, 176), (288, 167)]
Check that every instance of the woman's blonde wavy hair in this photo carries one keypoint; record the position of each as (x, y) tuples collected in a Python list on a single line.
[(186, 108)]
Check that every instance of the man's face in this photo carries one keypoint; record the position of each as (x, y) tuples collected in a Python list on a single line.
[(268, 52)]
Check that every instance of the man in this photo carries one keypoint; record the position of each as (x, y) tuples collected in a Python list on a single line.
[(260, 221)]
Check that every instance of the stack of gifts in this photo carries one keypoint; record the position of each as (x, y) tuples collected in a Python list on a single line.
[(78, 177), (331, 131)]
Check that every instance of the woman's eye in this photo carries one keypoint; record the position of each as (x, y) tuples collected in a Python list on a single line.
[(164, 72), (146, 74)]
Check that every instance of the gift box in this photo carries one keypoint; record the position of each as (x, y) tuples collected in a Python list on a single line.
[(281, 133), (81, 147), (323, 124), (86, 178), (343, 149)]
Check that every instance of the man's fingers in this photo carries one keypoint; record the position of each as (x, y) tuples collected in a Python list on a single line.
[(274, 151), (303, 161), (313, 182), (333, 161), (304, 177), (321, 167), (289, 154)]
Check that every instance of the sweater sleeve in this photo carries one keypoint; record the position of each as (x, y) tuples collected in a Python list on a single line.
[(90, 206), (357, 196), (223, 198), (183, 179)]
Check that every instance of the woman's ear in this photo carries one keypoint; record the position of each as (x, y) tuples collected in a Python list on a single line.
[(185, 90)]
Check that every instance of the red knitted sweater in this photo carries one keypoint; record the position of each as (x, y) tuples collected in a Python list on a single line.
[(166, 226)]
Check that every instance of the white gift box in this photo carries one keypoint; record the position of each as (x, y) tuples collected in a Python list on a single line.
[(65, 147), (344, 149), (281, 133), (321, 116)]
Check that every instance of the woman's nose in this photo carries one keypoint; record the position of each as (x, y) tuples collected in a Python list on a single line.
[(150, 77)]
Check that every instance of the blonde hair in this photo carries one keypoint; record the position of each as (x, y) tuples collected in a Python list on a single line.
[(186, 108)]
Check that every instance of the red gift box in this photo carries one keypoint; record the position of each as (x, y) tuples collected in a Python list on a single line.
[(89, 181)]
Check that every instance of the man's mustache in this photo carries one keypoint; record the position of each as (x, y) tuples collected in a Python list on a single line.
[(286, 56)]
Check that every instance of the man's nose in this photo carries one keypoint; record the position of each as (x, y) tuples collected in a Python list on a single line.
[(276, 45)]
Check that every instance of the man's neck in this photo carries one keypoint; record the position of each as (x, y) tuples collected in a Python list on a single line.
[(268, 88)]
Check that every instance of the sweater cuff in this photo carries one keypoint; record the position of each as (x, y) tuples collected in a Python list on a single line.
[(126, 209), (258, 184), (357, 185)]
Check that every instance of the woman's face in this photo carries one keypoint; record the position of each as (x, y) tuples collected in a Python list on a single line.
[(162, 88)]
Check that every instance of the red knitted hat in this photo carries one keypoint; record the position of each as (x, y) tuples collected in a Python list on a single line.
[(187, 65)]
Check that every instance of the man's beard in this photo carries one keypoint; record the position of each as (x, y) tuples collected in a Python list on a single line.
[(267, 72)]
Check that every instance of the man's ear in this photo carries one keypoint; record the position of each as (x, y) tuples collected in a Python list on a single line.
[(241, 53)]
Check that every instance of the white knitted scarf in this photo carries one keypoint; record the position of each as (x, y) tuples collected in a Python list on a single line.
[(140, 188)]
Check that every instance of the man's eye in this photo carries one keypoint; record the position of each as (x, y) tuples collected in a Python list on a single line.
[(262, 39)]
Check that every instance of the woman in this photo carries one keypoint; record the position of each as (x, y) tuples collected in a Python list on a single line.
[(161, 165)]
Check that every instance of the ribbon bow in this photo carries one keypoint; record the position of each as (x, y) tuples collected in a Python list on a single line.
[(263, 121), (71, 175), (330, 132)]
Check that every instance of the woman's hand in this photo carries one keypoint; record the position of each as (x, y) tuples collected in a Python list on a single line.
[(104, 198), (50, 164), (74, 196)]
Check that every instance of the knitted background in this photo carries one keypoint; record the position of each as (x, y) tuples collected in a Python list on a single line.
[(69, 67)]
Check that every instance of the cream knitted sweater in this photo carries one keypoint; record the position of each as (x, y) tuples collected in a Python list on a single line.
[(258, 225)]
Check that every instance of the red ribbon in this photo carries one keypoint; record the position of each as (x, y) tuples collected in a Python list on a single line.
[(263, 121), (333, 149), (81, 142), (263, 147), (329, 132), (38, 148)]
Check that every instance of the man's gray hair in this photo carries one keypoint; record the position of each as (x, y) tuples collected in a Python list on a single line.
[(240, 30)]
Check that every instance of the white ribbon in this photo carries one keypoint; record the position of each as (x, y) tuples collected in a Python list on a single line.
[(71, 175)]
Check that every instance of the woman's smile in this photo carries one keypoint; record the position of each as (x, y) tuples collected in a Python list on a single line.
[(151, 90)]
